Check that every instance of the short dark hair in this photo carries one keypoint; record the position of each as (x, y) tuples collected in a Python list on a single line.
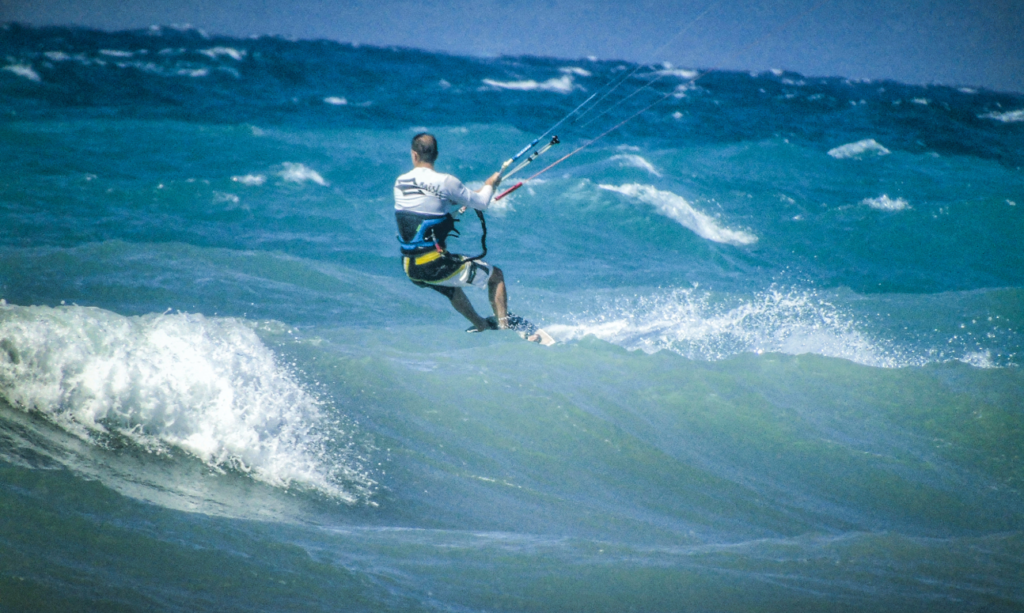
[(425, 146)]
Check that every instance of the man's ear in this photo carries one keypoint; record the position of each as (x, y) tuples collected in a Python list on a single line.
[(415, 158)]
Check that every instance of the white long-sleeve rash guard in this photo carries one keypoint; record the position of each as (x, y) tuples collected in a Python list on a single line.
[(428, 192)]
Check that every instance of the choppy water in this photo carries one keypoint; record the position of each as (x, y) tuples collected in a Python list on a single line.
[(790, 312)]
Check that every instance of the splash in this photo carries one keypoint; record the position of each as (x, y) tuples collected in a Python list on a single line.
[(700, 327), (207, 387), (678, 209)]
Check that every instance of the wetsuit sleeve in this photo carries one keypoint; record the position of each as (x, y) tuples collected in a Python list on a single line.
[(462, 195)]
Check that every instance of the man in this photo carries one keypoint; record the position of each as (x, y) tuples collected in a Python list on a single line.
[(424, 199)]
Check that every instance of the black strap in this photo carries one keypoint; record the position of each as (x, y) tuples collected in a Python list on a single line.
[(483, 237)]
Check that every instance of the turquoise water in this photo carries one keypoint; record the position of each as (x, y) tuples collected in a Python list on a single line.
[(789, 312)]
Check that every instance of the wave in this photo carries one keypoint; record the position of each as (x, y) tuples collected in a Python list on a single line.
[(561, 85), (216, 52), (885, 203), (576, 70), (636, 161), (858, 149), (23, 70), (207, 387), (678, 209), (250, 179), (300, 173), (1005, 117), (688, 75)]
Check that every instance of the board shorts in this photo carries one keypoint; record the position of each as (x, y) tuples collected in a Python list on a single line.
[(443, 272)]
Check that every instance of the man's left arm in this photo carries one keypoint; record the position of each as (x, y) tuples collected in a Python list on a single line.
[(478, 199)]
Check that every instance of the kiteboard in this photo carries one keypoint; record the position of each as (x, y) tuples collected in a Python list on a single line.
[(523, 328), (529, 331)]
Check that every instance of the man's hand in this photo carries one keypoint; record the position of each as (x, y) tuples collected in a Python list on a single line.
[(494, 180)]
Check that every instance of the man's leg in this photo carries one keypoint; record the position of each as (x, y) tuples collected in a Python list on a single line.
[(499, 299), (465, 308)]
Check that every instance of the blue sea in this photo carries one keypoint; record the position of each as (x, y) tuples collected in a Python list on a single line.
[(789, 313)]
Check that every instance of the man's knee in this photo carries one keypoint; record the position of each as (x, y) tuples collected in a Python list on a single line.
[(496, 277)]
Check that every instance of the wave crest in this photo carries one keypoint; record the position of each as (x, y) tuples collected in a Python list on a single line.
[(679, 209), (859, 149), (208, 387)]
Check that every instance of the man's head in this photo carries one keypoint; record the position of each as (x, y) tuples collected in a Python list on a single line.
[(425, 147)]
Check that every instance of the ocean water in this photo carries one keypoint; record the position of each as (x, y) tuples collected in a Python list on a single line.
[(790, 314)]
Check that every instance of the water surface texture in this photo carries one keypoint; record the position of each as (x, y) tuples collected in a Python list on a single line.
[(790, 314)]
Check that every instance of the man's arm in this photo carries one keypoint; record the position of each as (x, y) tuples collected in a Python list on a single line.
[(478, 199)]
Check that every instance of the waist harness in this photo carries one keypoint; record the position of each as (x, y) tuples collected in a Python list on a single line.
[(419, 233)]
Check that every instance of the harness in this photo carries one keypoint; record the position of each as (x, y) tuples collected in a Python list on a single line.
[(431, 232)]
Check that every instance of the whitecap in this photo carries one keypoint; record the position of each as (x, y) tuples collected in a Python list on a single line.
[(207, 387), (885, 203), (335, 100), (299, 173), (561, 85), (859, 148), (678, 72), (24, 70), (57, 56), (636, 161), (216, 52), (195, 73), (921, 101), (676, 208), (1007, 117), (115, 53), (253, 180), (579, 72)]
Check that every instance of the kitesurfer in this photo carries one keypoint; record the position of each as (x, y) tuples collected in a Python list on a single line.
[(424, 199)]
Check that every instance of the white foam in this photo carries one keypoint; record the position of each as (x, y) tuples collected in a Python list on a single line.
[(216, 52), (336, 101), (561, 85), (636, 161), (921, 101), (978, 359), (885, 203), (207, 387), (57, 56), (579, 72), (678, 72), (693, 324), (1006, 117), (193, 72), (24, 70), (253, 180), (115, 53), (858, 149), (678, 209), (299, 173)]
